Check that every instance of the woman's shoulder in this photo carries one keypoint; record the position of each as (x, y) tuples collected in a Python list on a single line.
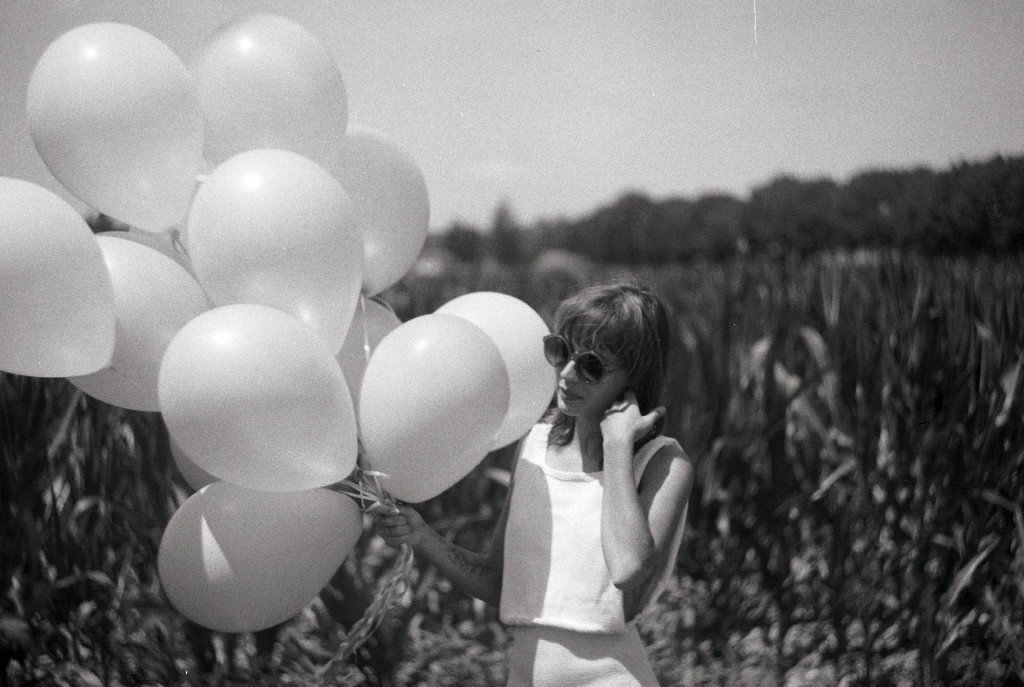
[(658, 449), (661, 445)]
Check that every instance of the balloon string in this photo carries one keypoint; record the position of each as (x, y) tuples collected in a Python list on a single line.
[(367, 487), (366, 332), (390, 591), (178, 244)]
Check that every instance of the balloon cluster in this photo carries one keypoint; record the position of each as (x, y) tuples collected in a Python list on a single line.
[(242, 303)]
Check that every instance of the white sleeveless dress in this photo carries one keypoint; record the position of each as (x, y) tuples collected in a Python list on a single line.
[(557, 595)]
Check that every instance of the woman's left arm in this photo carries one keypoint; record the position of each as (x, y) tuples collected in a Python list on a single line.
[(637, 526)]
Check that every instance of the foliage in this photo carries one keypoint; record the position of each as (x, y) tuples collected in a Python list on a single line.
[(855, 419), (971, 207)]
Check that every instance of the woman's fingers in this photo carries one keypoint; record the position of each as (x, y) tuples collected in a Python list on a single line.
[(653, 421), (396, 525), (657, 415)]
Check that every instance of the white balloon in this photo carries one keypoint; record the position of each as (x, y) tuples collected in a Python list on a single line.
[(433, 396), (518, 332), (255, 398), (373, 321), (56, 302), (115, 116), (267, 82), (235, 560), (273, 227), (168, 242), (154, 297), (390, 196)]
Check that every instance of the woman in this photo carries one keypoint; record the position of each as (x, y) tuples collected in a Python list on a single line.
[(596, 503)]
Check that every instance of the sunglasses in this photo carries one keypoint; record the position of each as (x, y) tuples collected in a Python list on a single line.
[(589, 365)]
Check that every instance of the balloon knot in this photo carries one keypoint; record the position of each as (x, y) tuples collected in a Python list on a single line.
[(365, 486)]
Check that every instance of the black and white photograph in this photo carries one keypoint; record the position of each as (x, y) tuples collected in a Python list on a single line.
[(551, 343)]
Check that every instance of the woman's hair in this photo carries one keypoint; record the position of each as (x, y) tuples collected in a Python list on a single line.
[(626, 318)]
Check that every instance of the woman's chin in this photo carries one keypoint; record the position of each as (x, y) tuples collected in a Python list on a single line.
[(568, 406)]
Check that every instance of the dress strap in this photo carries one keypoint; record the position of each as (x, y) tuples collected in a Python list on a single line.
[(538, 437), (646, 452)]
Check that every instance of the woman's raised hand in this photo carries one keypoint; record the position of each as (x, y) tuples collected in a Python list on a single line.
[(399, 525), (623, 422)]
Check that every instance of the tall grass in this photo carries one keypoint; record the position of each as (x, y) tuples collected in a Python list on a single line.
[(855, 420)]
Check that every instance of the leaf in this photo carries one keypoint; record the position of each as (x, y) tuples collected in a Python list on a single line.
[(964, 576), (97, 576), (957, 631), (848, 466), (816, 346), (84, 674), (784, 380), (64, 425), (1009, 383), (85, 610), (87, 502), (499, 475), (997, 499)]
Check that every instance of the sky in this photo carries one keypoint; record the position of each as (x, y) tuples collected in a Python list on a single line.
[(558, 107)]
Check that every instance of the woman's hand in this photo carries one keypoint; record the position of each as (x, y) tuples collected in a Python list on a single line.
[(624, 425), (401, 525)]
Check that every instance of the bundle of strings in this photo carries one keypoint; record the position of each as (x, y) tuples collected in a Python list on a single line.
[(367, 489)]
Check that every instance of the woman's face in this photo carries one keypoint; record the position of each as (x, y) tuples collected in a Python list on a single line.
[(577, 398)]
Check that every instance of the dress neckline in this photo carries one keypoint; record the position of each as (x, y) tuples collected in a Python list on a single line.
[(558, 473)]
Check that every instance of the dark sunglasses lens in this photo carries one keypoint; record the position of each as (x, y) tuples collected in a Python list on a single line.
[(590, 367), (556, 350)]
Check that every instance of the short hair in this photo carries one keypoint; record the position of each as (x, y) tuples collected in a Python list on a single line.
[(627, 318)]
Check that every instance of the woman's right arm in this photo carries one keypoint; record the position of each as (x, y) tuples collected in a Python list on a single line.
[(478, 574)]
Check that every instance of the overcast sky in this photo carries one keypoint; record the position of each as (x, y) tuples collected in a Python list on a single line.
[(559, 106)]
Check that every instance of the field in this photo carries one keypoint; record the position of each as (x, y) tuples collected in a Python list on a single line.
[(855, 420)]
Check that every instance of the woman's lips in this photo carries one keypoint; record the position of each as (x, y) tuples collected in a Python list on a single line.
[(568, 395)]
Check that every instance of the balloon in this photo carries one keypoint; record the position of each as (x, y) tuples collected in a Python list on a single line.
[(254, 397), (271, 227), (517, 330), (434, 393), (390, 196), (266, 82), (372, 322), (115, 116), (194, 476), (57, 302), (168, 242), (235, 560), (154, 297)]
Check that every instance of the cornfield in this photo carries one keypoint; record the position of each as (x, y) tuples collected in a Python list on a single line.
[(856, 425)]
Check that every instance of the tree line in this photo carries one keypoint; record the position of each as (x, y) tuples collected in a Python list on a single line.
[(970, 207)]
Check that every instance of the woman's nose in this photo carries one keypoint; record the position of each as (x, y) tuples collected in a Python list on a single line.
[(566, 374)]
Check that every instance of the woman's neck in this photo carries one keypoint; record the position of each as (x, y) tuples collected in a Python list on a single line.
[(587, 435)]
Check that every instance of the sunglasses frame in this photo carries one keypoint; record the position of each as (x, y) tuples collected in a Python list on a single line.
[(571, 356)]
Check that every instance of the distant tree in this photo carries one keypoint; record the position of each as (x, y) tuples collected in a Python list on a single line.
[(464, 241), (506, 238), (978, 206), (1006, 205), (971, 207), (716, 224), (795, 213), (869, 204), (626, 231)]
